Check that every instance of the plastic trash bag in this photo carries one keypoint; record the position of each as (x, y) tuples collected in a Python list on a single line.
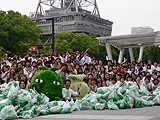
[(144, 91), (138, 102), (156, 100), (36, 110), (52, 104), (112, 106), (129, 100), (99, 106), (103, 90), (115, 96), (4, 103), (147, 103), (93, 103), (85, 105), (27, 114), (8, 112), (77, 105), (42, 99), (66, 108), (55, 109), (44, 110), (90, 96), (122, 104)]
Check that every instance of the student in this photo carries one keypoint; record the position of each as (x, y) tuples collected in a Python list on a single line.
[(67, 93)]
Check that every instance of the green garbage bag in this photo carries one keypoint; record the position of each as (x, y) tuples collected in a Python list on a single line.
[(99, 106), (36, 110), (52, 104), (44, 110), (55, 109), (14, 83), (112, 106), (130, 93), (103, 90), (102, 97), (43, 99), (122, 104), (129, 100), (66, 108), (117, 85), (93, 103), (147, 98), (115, 96), (144, 91), (156, 100), (24, 97), (27, 114), (123, 88), (138, 103), (5, 89), (147, 103), (156, 91), (90, 96), (8, 112), (77, 105), (134, 88), (4, 103), (2, 96), (85, 105)]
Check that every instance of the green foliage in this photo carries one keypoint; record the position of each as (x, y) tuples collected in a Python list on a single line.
[(68, 41), (151, 53), (17, 32), (3, 52)]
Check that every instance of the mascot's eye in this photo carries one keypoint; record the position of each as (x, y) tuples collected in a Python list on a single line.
[(39, 80), (56, 83)]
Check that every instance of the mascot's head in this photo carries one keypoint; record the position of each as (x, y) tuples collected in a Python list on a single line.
[(48, 82)]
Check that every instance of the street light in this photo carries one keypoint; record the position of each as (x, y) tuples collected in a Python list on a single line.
[(52, 33)]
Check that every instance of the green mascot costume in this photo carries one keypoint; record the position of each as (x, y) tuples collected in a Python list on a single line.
[(76, 80), (48, 82)]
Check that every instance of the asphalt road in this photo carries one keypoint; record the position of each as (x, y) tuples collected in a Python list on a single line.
[(145, 113)]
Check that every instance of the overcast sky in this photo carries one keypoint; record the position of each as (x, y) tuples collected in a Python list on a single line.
[(124, 13)]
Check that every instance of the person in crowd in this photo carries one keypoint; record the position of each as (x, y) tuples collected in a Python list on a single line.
[(113, 81), (104, 83), (107, 79), (67, 93), (122, 80), (99, 81), (155, 84), (93, 86), (22, 84)]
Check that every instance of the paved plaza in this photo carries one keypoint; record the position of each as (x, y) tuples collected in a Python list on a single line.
[(145, 113)]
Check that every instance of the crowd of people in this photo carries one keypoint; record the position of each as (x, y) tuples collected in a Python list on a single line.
[(98, 74)]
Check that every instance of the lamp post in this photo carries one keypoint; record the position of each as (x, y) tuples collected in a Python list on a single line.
[(53, 34)]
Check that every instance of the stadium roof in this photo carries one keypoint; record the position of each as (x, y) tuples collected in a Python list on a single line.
[(130, 41)]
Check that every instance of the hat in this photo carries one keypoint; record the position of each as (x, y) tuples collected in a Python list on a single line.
[(114, 68)]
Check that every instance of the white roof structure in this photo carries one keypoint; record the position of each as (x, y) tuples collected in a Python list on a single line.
[(129, 41)]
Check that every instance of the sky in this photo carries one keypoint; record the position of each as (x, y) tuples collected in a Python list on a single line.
[(123, 13)]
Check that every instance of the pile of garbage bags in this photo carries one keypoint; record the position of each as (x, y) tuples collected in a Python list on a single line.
[(19, 103)]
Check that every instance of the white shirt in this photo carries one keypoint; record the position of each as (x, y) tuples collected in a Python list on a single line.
[(86, 59), (67, 93)]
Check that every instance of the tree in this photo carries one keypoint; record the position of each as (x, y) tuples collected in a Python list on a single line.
[(17, 32), (3, 52), (68, 41)]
